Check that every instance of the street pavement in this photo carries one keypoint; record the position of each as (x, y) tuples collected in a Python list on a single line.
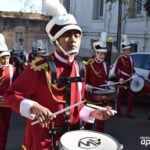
[(133, 134)]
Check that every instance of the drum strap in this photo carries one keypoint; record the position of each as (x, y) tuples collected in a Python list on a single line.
[(67, 81)]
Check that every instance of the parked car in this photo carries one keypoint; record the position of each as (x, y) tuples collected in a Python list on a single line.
[(141, 61), (142, 67)]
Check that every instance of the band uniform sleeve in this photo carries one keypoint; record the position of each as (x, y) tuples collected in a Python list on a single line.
[(116, 68), (20, 89), (85, 114)]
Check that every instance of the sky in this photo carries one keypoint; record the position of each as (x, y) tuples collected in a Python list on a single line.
[(21, 5)]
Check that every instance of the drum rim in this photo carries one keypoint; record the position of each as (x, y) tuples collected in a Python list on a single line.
[(113, 92), (114, 139)]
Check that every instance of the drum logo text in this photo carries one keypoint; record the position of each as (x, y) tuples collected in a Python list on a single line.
[(89, 142)]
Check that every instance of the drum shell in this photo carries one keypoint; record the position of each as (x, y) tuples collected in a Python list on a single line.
[(99, 96), (75, 146)]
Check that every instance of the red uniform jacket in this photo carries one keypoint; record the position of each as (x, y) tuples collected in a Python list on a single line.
[(7, 75), (35, 84), (124, 68), (96, 75)]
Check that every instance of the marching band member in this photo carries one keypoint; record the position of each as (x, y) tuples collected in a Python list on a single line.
[(52, 83), (123, 71), (38, 49), (7, 72), (96, 75)]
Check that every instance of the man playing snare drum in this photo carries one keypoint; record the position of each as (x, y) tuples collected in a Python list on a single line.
[(50, 84), (96, 75)]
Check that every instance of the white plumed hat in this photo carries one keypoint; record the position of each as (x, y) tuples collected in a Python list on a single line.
[(125, 42), (61, 21), (40, 46), (100, 46), (3, 47)]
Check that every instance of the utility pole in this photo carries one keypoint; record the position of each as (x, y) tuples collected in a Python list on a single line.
[(119, 29)]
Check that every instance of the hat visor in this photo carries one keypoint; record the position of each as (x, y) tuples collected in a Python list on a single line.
[(67, 28), (101, 50), (4, 54), (126, 47)]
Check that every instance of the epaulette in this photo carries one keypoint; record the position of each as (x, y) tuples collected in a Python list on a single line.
[(38, 64), (90, 61)]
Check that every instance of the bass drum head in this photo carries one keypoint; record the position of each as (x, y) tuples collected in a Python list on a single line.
[(137, 83), (89, 140)]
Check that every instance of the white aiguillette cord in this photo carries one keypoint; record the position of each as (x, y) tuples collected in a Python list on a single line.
[(100, 108), (62, 110)]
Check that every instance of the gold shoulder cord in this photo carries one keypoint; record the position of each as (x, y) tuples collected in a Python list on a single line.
[(2, 79), (50, 88), (44, 67), (97, 73), (124, 62), (55, 87)]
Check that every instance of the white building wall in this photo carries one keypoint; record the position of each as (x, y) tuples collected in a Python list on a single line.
[(138, 30)]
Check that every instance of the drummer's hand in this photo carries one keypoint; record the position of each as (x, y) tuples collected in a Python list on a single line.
[(42, 114), (102, 114), (122, 81), (88, 87)]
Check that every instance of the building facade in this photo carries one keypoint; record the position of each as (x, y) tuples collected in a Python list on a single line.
[(21, 30), (95, 16)]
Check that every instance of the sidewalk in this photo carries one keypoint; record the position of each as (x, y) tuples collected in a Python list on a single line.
[(129, 132)]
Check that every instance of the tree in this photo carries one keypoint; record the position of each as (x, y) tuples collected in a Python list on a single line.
[(146, 5), (119, 27)]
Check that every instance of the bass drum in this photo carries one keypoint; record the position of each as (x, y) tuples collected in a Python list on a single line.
[(86, 139), (137, 83)]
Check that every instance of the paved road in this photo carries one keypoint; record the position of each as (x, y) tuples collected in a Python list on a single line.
[(128, 132)]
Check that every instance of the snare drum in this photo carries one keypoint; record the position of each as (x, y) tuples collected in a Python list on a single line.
[(103, 95), (86, 139)]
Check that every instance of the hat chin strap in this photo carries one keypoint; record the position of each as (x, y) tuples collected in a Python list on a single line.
[(69, 53)]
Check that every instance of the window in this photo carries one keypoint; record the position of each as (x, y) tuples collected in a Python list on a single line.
[(137, 60), (147, 63), (135, 8), (98, 6), (19, 41), (66, 3)]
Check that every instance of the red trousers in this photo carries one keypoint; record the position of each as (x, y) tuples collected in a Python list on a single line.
[(122, 93), (5, 114)]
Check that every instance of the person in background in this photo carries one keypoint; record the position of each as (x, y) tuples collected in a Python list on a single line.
[(7, 75), (41, 90), (123, 72), (97, 75)]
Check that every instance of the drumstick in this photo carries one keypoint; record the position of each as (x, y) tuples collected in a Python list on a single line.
[(116, 83), (100, 108), (61, 111)]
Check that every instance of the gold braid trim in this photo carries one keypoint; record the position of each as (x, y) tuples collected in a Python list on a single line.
[(2, 79), (56, 88), (90, 61), (96, 72), (36, 67), (124, 62), (50, 89)]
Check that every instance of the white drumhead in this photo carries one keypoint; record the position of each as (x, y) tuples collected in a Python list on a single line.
[(89, 140)]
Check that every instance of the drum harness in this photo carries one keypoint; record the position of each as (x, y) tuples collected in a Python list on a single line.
[(65, 80)]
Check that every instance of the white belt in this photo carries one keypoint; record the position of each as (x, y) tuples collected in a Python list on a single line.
[(124, 73)]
